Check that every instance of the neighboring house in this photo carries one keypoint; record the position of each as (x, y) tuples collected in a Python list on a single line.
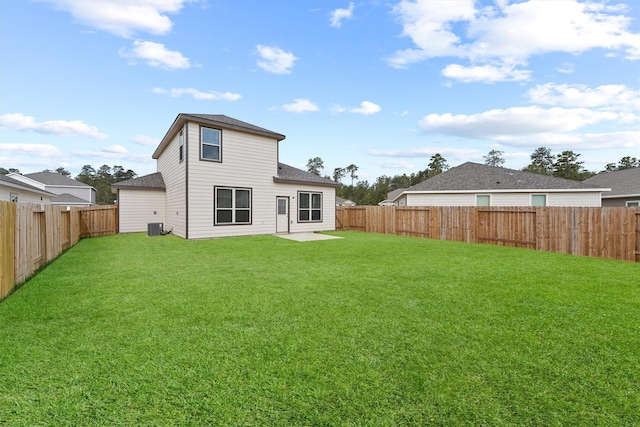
[(13, 190), (474, 184), (344, 202), (391, 197), (624, 184), (70, 191), (218, 176)]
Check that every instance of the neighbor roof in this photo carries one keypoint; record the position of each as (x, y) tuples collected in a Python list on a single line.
[(478, 177), (152, 181), (624, 182), (290, 175), (216, 120), (10, 182), (70, 199), (54, 179)]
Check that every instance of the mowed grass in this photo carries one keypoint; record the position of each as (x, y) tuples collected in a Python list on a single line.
[(368, 330)]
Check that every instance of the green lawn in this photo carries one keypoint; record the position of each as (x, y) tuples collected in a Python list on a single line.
[(369, 330)]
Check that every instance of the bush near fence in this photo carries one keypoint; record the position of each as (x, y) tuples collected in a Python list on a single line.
[(612, 233), (32, 235)]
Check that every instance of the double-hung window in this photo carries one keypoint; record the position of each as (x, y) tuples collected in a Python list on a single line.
[(210, 144), (232, 206), (309, 207), (181, 145)]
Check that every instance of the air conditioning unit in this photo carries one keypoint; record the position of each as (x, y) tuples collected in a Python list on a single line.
[(154, 229)]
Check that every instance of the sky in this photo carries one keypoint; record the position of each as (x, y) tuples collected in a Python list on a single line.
[(383, 85)]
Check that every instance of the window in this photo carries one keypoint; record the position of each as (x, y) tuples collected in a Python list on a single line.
[(13, 197), (210, 144), (633, 203), (181, 145), (282, 207), (309, 207), (538, 200), (232, 206), (483, 200)]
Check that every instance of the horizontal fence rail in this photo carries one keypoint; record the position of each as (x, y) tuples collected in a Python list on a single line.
[(612, 233), (31, 235)]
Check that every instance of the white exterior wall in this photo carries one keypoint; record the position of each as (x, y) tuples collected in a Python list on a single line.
[(174, 173), (248, 161), (85, 193), (328, 222), (505, 199), (137, 208), (24, 196)]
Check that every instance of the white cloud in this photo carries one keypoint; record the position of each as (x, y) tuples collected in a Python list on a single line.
[(275, 60), (339, 15), (198, 94), (19, 121), (605, 96), (156, 55), (123, 17), (115, 149), (426, 152), (300, 106), (509, 33), (145, 140), (485, 73), (367, 108), (500, 124), (585, 141), (566, 68), (33, 150)]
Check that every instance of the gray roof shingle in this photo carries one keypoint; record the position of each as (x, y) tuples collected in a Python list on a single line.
[(289, 174), (624, 182), (51, 178), (21, 185), (66, 198), (153, 181), (478, 177)]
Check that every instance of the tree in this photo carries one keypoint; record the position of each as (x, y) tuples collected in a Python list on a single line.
[(102, 179), (494, 158), (63, 171), (351, 170), (437, 165), (4, 171), (541, 161), (567, 166), (626, 162), (338, 173), (315, 165)]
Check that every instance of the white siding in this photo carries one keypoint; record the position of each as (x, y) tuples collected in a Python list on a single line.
[(505, 199), (24, 196), (328, 207), (174, 172), (137, 208)]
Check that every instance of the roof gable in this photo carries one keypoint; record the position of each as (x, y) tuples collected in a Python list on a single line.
[(478, 177), (14, 183), (215, 120), (624, 182)]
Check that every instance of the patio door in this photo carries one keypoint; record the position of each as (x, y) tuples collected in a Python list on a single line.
[(282, 218)]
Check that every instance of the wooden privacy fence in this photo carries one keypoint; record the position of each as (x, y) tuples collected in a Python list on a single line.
[(31, 235), (612, 233)]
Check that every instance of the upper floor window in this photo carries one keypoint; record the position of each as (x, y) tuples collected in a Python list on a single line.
[(210, 144), (181, 145), (309, 207), (538, 200)]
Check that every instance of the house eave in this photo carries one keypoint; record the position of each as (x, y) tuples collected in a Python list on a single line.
[(300, 182), (507, 190)]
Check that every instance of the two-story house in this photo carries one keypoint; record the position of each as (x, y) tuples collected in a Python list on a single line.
[(218, 176)]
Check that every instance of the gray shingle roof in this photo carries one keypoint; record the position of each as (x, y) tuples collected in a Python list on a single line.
[(289, 174), (478, 177), (66, 198), (21, 185), (50, 178), (622, 183), (153, 181)]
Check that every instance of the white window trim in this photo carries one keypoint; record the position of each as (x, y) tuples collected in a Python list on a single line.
[(632, 201)]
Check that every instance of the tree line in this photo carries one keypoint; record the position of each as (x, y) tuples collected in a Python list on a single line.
[(564, 165), (101, 179)]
